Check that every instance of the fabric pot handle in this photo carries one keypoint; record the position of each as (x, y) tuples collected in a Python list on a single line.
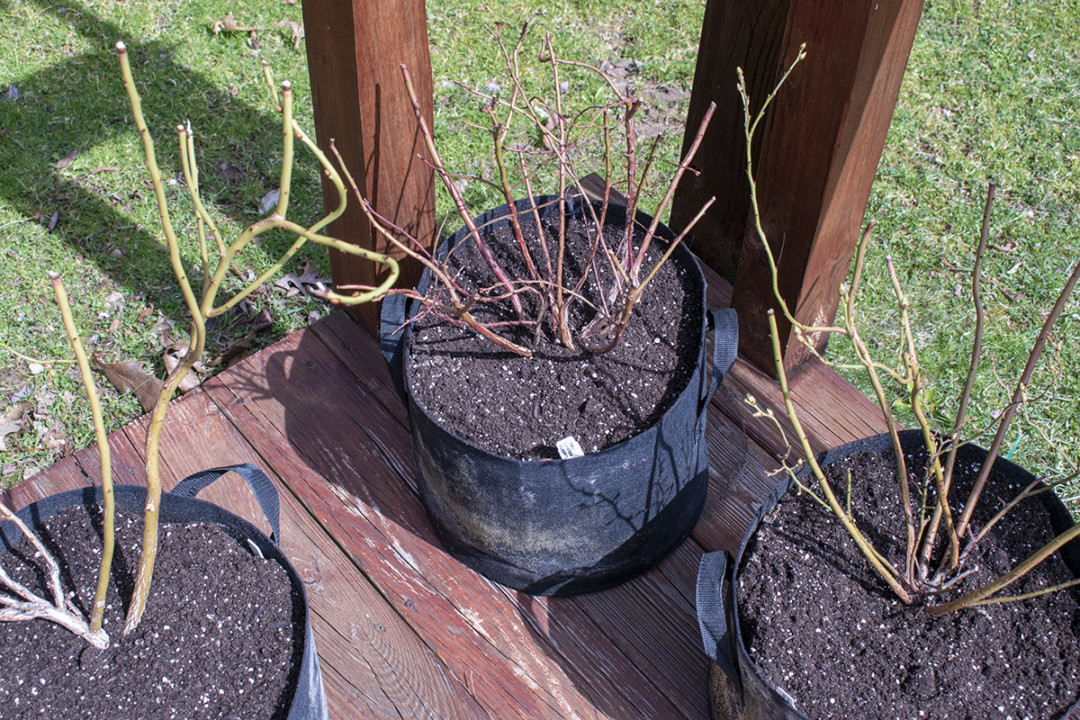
[(724, 324), (265, 492), (712, 613), (392, 317)]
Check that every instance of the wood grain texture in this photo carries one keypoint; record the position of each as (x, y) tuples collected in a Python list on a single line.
[(355, 50), (373, 664), (481, 632), (734, 33), (402, 629), (818, 150)]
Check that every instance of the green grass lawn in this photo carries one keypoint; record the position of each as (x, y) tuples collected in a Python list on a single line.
[(992, 91)]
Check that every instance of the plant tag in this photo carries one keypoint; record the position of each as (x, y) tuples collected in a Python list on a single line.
[(568, 448)]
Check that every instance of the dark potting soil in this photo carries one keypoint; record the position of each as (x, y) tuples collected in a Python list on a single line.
[(221, 638), (822, 627), (521, 407)]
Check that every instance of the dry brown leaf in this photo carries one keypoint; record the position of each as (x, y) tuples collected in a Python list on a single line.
[(297, 32), (309, 280), (54, 438), (8, 427), (68, 159), (262, 321), (131, 377), (235, 352), (174, 355), (4, 133), (229, 24)]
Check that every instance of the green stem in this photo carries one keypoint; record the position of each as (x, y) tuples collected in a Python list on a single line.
[(1017, 399), (108, 528), (884, 570), (153, 471), (976, 597)]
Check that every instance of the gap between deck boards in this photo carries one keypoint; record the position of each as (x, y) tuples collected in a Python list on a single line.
[(403, 630)]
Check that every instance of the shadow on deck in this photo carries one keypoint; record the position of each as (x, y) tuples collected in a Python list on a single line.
[(403, 630)]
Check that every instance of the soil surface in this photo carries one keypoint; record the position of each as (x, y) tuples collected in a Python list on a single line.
[(823, 628), (521, 407), (221, 637)]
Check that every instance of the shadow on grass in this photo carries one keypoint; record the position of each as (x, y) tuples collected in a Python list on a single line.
[(237, 145)]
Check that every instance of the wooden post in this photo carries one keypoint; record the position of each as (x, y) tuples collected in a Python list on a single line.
[(355, 49), (815, 159)]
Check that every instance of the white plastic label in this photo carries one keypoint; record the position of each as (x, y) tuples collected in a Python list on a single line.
[(568, 448)]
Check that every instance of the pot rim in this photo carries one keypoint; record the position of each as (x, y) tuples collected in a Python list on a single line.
[(498, 216), (314, 696), (1055, 508)]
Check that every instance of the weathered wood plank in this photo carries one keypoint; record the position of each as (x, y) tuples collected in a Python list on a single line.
[(623, 617), (355, 49), (818, 151), (389, 672), (388, 531), (653, 620), (374, 665), (359, 352)]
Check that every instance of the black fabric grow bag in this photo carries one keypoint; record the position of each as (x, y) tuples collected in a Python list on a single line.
[(181, 506), (577, 525), (737, 690)]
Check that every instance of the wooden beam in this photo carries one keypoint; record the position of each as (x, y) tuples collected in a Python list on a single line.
[(355, 51), (817, 156)]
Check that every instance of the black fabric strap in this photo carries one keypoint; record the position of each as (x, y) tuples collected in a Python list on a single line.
[(392, 317), (712, 615), (265, 492), (724, 324)]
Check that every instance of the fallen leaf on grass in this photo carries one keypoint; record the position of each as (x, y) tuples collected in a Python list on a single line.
[(52, 437), (1014, 297), (269, 201), (174, 355), (68, 159), (262, 321), (131, 377), (8, 427), (297, 31), (4, 133), (305, 282), (235, 352), (241, 348), (229, 24), (115, 300)]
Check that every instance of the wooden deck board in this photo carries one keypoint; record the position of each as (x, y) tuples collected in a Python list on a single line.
[(402, 629), (410, 568)]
